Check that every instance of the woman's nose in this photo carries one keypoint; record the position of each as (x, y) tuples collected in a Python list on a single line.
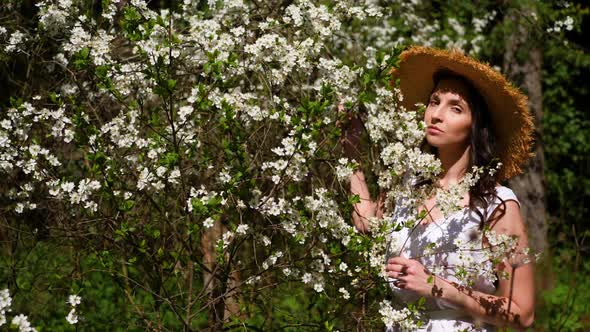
[(436, 114)]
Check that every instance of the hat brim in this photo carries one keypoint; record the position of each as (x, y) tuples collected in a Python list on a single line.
[(512, 122)]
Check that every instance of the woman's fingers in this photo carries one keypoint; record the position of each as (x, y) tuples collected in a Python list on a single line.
[(398, 267), (399, 260), (396, 274), (394, 267), (399, 283), (395, 270)]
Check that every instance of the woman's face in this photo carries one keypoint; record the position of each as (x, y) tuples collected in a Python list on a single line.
[(448, 115)]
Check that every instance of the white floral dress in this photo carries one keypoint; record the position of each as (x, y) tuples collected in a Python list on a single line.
[(451, 248)]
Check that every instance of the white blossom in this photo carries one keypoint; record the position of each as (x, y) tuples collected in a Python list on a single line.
[(5, 303), (15, 41), (401, 319), (242, 229), (343, 266), (74, 300), (344, 292), (344, 169), (72, 317), (22, 323), (208, 223)]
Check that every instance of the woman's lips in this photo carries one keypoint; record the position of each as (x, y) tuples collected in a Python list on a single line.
[(433, 130)]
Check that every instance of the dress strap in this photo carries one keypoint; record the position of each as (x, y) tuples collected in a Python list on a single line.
[(503, 194)]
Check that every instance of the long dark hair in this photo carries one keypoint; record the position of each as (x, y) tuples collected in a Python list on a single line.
[(483, 147)]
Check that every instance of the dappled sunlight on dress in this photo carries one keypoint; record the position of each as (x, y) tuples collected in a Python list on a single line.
[(450, 247)]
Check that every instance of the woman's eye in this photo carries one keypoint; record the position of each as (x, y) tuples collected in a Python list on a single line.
[(432, 102), (457, 109)]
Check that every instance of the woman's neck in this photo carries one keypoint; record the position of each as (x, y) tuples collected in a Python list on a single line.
[(455, 161)]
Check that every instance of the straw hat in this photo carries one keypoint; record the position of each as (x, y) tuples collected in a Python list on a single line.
[(512, 122)]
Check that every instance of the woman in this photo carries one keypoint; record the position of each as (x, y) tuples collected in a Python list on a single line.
[(473, 117)]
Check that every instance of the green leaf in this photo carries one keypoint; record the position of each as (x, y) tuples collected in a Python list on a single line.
[(171, 84), (126, 205), (422, 214), (84, 53), (354, 199), (421, 301), (156, 233)]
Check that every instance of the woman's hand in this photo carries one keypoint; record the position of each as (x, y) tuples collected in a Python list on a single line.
[(411, 275), (352, 128)]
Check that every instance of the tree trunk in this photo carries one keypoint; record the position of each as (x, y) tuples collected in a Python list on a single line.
[(522, 65), (223, 285)]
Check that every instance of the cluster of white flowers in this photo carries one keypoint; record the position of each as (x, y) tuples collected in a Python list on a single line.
[(226, 240), (449, 200), (74, 301), (110, 12), (324, 23), (130, 77), (344, 293), (55, 17), (15, 42), (376, 254), (459, 42), (473, 261), (242, 229), (314, 279), (344, 169), (399, 132), (77, 195), (480, 23), (399, 159), (22, 323), (567, 24), (502, 246), (100, 48), (402, 319), (326, 215), (5, 303), (337, 75), (270, 206), (21, 150), (154, 48), (204, 196), (271, 260), (292, 164), (79, 39), (361, 10), (420, 30), (123, 130)]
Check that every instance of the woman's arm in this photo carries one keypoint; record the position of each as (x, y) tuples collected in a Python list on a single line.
[(366, 208), (512, 305), (516, 310)]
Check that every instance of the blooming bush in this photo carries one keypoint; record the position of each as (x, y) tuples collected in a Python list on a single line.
[(194, 152)]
